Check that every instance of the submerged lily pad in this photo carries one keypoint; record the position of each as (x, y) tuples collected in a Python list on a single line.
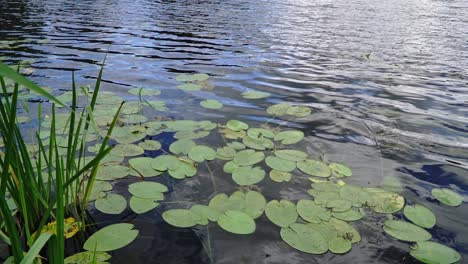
[(111, 204), (211, 104), (255, 95), (237, 222), (304, 238), (198, 77), (406, 231), (314, 168), (420, 215), (447, 197), (289, 137), (111, 237), (127, 150), (434, 253), (282, 213), (181, 218), (143, 205)]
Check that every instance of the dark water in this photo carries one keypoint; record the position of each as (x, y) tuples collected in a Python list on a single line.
[(388, 82)]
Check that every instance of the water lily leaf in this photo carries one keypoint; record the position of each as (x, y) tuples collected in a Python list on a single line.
[(248, 175), (237, 222), (236, 125), (339, 205), (261, 143), (231, 134), (339, 245), (112, 172), (406, 231), (131, 119), (340, 170), (211, 104), (99, 189), (254, 204), (185, 169), (142, 167), (230, 167), (131, 108), (150, 145), (356, 195), (254, 95), (165, 162), (353, 214), (111, 237), (189, 87), (345, 230), (281, 213), (312, 212), (142, 205), (280, 176), (447, 197), (420, 215), (298, 111), (111, 204), (127, 134), (157, 105), (181, 218), (191, 134), (326, 186), (236, 145), (220, 203), (201, 153), (314, 168), (291, 154), (304, 238), (225, 153), (144, 92), (87, 257), (280, 164), (387, 202), (289, 137), (127, 150), (182, 146), (434, 253), (236, 201), (181, 125), (278, 109), (198, 77), (206, 212), (322, 198), (148, 190), (260, 133), (248, 157)]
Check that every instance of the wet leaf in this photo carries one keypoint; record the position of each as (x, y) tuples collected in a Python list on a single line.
[(211, 104), (248, 175), (181, 218), (191, 134), (143, 205), (231, 134), (340, 170), (434, 253), (280, 176), (387, 202), (148, 190), (248, 157), (278, 109), (201, 153), (157, 105), (280, 164), (111, 237), (111, 204), (254, 95), (314, 168), (304, 238), (237, 222), (282, 213), (344, 229), (447, 197), (291, 154), (289, 137), (298, 111), (236, 125), (339, 205), (311, 212), (405, 231), (87, 257), (420, 215), (142, 166), (185, 169)]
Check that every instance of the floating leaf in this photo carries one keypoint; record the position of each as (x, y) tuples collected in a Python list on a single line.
[(191, 134), (200, 77), (131, 108), (157, 105), (420, 215), (254, 204), (298, 111), (87, 257), (314, 168), (326, 186), (111, 204), (356, 195), (231, 134), (237, 222), (111, 237), (261, 143), (142, 167), (282, 213), (289, 137), (248, 175), (206, 212), (144, 92), (260, 133), (201, 153), (339, 205), (387, 202), (340, 170), (225, 153), (236, 145), (406, 231), (230, 167), (148, 190), (304, 238), (211, 104), (150, 145), (248, 157), (278, 109), (181, 218), (344, 229), (280, 176), (291, 154), (182, 146), (142, 205), (280, 164), (254, 95), (353, 214), (112, 172), (165, 162), (189, 87), (339, 245), (220, 203), (236, 125), (434, 253), (447, 197), (311, 212), (185, 169), (127, 150)]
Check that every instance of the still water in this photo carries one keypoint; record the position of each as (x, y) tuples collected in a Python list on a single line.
[(387, 81)]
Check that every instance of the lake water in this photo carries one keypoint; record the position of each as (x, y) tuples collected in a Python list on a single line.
[(387, 82)]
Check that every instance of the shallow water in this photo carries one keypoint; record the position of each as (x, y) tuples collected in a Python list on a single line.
[(387, 82)]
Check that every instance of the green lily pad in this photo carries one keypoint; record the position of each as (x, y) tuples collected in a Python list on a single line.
[(87, 257), (405, 231), (248, 157), (248, 175), (289, 137), (182, 146), (131, 108), (211, 104), (339, 205), (312, 212), (291, 154), (260, 133), (189, 87), (236, 145), (220, 203), (181, 218), (201, 153), (127, 150), (111, 237), (339, 245), (387, 202), (191, 134), (150, 145), (142, 167), (298, 111), (447, 197), (111, 204), (185, 169), (112, 172), (282, 213), (278, 109), (340, 170), (225, 153), (261, 143), (165, 162), (280, 164), (231, 134), (143, 205), (132, 119), (198, 77), (230, 167), (237, 222), (304, 238), (206, 212), (254, 204), (326, 186), (280, 176), (148, 190), (344, 229), (254, 95), (314, 168), (420, 215), (236, 125), (144, 92), (356, 195), (392, 184), (434, 253), (157, 105), (353, 214)]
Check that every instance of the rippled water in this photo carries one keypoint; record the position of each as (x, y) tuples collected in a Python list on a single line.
[(387, 81)]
